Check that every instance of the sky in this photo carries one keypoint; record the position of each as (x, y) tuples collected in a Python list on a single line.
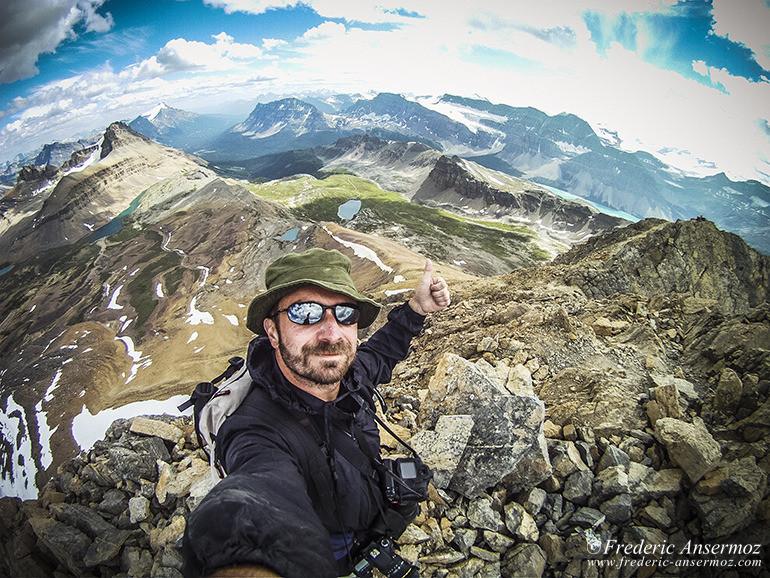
[(686, 80)]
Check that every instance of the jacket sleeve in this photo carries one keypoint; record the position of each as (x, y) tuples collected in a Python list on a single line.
[(390, 344), (261, 514)]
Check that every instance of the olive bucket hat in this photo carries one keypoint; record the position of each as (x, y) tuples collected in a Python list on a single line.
[(327, 269)]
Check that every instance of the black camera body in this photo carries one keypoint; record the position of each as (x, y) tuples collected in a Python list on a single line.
[(382, 555), (405, 480)]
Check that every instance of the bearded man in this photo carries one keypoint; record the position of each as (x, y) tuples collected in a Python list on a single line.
[(299, 497)]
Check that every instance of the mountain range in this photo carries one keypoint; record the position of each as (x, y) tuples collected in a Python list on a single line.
[(126, 270), (561, 151)]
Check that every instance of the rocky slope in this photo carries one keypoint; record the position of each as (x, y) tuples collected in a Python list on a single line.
[(576, 428), (78, 200)]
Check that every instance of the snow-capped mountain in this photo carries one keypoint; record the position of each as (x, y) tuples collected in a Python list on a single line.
[(561, 151), (179, 128)]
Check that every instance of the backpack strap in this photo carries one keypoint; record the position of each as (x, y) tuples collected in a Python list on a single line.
[(302, 436)]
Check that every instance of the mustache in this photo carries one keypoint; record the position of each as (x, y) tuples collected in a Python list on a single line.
[(327, 348)]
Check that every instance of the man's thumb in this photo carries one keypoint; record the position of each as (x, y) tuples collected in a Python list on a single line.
[(428, 268)]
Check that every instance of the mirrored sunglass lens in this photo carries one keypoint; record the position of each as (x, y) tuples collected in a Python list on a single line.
[(346, 314), (305, 313)]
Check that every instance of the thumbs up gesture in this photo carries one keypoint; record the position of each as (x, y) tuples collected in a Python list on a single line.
[(431, 294)]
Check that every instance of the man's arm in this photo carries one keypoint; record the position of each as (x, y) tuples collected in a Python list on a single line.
[(260, 515), (390, 344)]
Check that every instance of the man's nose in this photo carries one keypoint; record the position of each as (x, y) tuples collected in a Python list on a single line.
[(328, 326)]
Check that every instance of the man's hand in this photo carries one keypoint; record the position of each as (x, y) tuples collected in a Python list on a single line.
[(431, 294)]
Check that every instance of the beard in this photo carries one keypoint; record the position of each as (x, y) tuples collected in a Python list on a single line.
[(322, 372)]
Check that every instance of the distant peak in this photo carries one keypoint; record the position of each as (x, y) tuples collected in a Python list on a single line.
[(153, 113)]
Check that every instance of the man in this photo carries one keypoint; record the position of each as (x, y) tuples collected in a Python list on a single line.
[(284, 506)]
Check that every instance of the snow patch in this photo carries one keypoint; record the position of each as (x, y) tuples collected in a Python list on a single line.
[(361, 251), (14, 431), (113, 304), (196, 317), (205, 274), (232, 319), (88, 428), (193, 337)]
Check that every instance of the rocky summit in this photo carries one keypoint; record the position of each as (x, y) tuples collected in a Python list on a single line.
[(605, 414)]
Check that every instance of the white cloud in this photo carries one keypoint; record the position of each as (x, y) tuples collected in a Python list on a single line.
[(29, 28), (251, 6), (745, 21)]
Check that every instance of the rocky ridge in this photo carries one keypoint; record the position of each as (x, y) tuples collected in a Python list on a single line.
[(95, 186), (567, 425)]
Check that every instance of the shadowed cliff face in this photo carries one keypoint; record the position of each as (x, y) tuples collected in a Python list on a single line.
[(451, 183)]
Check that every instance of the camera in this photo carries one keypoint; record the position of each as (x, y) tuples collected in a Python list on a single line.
[(405, 480), (381, 554)]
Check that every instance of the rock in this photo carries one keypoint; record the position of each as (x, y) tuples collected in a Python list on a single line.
[(534, 500), (487, 344), (605, 327), (485, 555), (582, 544), (482, 516), (136, 561), (645, 483), (729, 391), (413, 535), (445, 558), (506, 440), (199, 489), (553, 546), (132, 465), (587, 518), (744, 485), (566, 460), (157, 428), (578, 487), (613, 456), (139, 509), (114, 502), (617, 509), (645, 536), (657, 516), (589, 397), (162, 537), (690, 446), (519, 381), (523, 560), (443, 448), (520, 523), (551, 430), (464, 539), (498, 542), (66, 543), (610, 482), (667, 397)]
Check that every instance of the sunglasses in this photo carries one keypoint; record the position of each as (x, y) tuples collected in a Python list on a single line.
[(310, 313)]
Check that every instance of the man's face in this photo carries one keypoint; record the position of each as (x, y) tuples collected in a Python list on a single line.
[(318, 354)]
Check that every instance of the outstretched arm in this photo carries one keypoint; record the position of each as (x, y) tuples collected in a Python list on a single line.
[(431, 294)]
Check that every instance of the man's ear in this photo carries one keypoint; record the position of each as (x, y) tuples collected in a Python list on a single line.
[(272, 332)]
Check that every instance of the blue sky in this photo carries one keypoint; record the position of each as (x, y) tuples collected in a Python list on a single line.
[(686, 80)]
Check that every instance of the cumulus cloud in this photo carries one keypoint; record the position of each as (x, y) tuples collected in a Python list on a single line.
[(181, 55), (29, 28)]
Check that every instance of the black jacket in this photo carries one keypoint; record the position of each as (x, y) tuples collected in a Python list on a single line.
[(263, 512)]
